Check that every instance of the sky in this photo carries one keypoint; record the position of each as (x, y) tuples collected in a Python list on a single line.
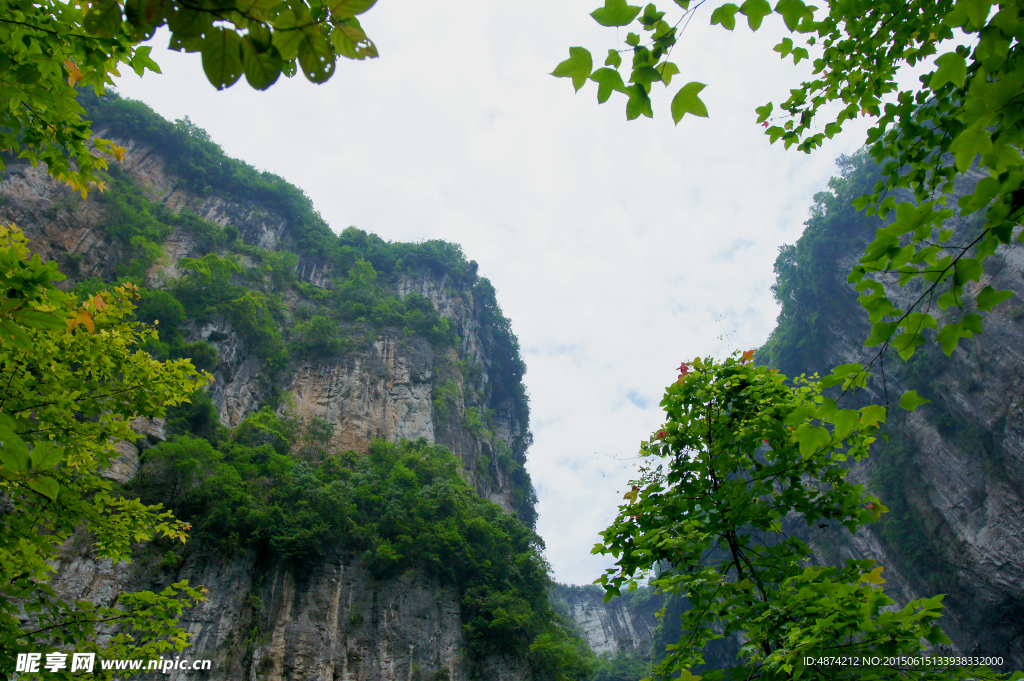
[(618, 249)]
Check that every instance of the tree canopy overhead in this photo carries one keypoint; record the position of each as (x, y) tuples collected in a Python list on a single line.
[(49, 48), (967, 113)]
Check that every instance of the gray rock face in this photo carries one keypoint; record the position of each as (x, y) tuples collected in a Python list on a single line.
[(962, 465), (624, 624), (334, 621)]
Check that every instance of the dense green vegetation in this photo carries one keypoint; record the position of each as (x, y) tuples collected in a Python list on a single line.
[(327, 321), (272, 486)]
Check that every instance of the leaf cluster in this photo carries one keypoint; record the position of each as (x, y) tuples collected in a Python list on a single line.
[(73, 376), (966, 113)]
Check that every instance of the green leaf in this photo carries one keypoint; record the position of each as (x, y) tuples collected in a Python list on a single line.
[(262, 69), (952, 69), (755, 11), (989, 298), (48, 487), (645, 75), (615, 13), (968, 144), (608, 81), (42, 320), (667, 70), (911, 401), (763, 112), (12, 334), (949, 336), (686, 101), (348, 8), (222, 60), (14, 455), (639, 103), (614, 59), (793, 12), (578, 67), (103, 18), (811, 438), (845, 421), (316, 57), (146, 15), (725, 15), (46, 455)]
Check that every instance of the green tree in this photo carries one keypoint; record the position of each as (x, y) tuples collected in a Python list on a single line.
[(741, 453), (967, 113), (48, 48), (73, 377)]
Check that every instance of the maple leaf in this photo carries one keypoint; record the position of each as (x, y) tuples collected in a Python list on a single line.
[(748, 356), (74, 73), (662, 433), (765, 124), (99, 302), (81, 317), (684, 368)]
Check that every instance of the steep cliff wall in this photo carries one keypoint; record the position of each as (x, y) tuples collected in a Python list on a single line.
[(427, 357), (624, 624), (334, 621), (953, 471), (384, 389)]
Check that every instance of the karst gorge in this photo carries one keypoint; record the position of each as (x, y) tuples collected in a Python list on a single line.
[(354, 475)]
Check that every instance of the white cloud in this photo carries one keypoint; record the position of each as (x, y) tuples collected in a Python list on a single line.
[(618, 249)]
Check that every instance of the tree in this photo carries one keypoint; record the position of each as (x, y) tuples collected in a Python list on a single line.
[(741, 454), (968, 112), (72, 376), (49, 48)]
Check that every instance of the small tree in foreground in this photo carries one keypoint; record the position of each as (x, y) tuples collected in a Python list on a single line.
[(741, 453), (72, 376)]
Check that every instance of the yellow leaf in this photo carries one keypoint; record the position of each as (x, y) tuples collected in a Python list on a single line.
[(873, 577), (74, 73), (119, 152), (81, 317)]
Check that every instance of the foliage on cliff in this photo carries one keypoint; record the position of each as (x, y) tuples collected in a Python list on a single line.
[(272, 486), (364, 267)]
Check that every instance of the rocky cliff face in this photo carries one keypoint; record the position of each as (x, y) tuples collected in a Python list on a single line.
[(953, 472), (624, 624), (382, 390), (333, 621)]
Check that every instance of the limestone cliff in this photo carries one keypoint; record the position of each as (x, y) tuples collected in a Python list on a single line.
[(953, 471), (385, 389), (265, 619), (624, 624)]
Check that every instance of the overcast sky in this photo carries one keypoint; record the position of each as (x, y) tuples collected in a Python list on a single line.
[(618, 249)]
